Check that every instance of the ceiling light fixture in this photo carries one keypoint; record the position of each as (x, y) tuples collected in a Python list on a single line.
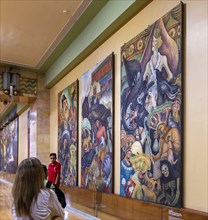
[(10, 83)]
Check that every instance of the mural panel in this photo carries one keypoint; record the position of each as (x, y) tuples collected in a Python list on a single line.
[(67, 134), (97, 127), (9, 143), (151, 107)]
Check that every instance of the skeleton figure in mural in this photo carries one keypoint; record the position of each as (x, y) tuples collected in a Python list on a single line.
[(169, 148), (170, 186)]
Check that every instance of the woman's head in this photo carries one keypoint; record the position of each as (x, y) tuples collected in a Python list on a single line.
[(28, 181)]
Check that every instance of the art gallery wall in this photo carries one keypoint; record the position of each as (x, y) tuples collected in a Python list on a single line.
[(195, 162)]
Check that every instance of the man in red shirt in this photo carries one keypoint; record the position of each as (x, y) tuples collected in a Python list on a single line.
[(54, 170)]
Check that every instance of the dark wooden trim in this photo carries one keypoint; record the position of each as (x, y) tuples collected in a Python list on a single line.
[(125, 208)]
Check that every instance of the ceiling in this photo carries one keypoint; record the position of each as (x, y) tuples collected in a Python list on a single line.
[(31, 30), (34, 33)]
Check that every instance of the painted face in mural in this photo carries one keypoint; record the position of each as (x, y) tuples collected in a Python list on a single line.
[(127, 156), (65, 143), (66, 108), (97, 123), (154, 43), (161, 129), (165, 170)]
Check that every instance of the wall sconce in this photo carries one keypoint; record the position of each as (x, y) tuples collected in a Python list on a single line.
[(10, 83)]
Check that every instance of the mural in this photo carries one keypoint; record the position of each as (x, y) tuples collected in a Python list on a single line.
[(97, 127), (67, 134), (9, 144), (151, 95)]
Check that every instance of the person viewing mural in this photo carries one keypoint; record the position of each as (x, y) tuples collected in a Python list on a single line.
[(54, 170), (36, 202)]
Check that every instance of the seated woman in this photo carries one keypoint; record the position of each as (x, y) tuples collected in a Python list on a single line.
[(32, 200)]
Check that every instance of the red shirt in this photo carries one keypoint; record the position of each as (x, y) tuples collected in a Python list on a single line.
[(53, 170)]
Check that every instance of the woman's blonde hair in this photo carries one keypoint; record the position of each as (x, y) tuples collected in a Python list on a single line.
[(28, 181)]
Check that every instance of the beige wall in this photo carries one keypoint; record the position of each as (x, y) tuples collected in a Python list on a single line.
[(23, 136), (195, 93)]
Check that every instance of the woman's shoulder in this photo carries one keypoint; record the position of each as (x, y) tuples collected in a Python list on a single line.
[(47, 193)]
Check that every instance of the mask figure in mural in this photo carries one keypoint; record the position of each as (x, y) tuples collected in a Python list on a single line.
[(169, 148), (170, 186), (126, 171)]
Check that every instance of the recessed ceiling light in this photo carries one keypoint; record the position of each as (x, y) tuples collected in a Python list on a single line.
[(65, 11)]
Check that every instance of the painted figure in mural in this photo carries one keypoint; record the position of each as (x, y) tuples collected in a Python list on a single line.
[(170, 193), (126, 171), (156, 62), (72, 164), (64, 156), (134, 97), (11, 142), (107, 175), (88, 154), (99, 119), (64, 113), (140, 185), (73, 113), (100, 143), (4, 152), (165, 135)]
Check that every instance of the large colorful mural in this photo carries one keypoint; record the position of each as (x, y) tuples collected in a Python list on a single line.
[(67, 134), (97, 127), (151, 107), (9, 143)]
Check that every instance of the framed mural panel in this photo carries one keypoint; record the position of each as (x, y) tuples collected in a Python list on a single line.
[(151, 113), (97, 127), (68, 134), (9, 143)]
